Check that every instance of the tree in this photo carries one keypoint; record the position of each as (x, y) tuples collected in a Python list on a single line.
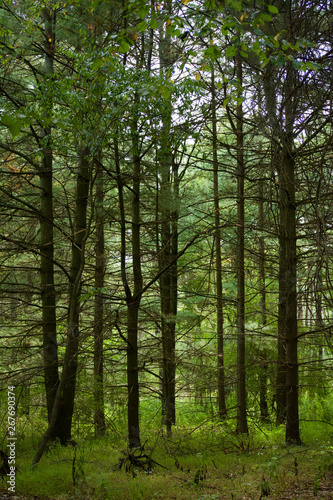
[(241, 373), (218, 257), (100, 268)]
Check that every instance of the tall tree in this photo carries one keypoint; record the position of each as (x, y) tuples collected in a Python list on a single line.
[(218, 259), (262, 301), (169, 234), (100, 268), (48, 294), (288, 241), (133, 298), (242, 426)]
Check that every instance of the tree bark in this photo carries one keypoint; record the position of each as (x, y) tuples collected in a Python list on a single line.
[(132, 299), (134, 302), (270, 90), (288, 206), (264, 414), (242, 426), (218, 265), (77, 266), (169, 244), (99, 415), (63, 407), (48, 294)]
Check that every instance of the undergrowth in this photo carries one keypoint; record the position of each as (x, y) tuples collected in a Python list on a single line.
[(203, 459), (203, 462)]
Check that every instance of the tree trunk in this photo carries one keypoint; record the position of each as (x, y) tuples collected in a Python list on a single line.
[(132, 299), (288, 205), (242, 426), (99, 416), (270, 89), (133, 303), (48, 294), (60, 423), (263, 319), (77, 266), (281, 401), (174, 291), (169, 244), (219, 289)]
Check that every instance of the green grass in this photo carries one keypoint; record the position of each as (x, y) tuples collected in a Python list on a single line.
[(206, 461)]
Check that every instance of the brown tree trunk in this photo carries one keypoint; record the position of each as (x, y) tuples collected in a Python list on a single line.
[(99, 416), (77, 266), (132, 299), (169, 245), (264, 414), (48, 294), (134, 303), (270, 89), (60, 423), (219, 288), (281, 401), (242, 426), (288, 204)]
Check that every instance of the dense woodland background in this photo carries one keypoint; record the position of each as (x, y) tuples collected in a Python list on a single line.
[(166, 214)]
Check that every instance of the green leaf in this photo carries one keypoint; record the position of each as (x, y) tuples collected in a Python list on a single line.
[(142, 13), (123, 46), (235, 4), (231, 51), (265, 62), (14, 124), (313, 65), (213, 52), (256, 46), (153, 24), (265, 17), (281, 59), (165, 91), (142, 26), (273, 9), (297, 64), (97, 64), (226, 102), (170, 29), (244, 54)]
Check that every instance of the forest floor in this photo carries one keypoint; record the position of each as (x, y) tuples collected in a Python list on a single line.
[(192, 481), (302, 489), (209, 463)]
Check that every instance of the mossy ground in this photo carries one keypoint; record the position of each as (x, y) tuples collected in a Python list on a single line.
[(209, 462)]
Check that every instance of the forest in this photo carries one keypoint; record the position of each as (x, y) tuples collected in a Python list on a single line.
[(166, 249)]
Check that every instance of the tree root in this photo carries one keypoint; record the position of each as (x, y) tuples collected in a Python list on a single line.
[(136, 459)]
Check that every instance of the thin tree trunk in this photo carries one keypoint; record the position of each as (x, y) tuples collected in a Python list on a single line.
[(169, 244), (270, 87), (174, 291), (77, 266), (281, 401), (219, 288), (288, 201), (263, 317), (48, 294), (134, 302), (242, 426), (99, 416)]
